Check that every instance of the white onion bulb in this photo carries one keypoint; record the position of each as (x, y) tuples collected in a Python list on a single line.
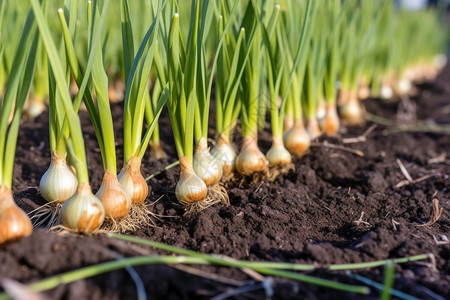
[(83, 211), (190, 188), (250, 160), (58, 183), (225, 154), (404, 86), (278, 154), (386, 92), (205, 165)]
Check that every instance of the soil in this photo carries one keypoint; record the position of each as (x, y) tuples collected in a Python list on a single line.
[(335, 207)]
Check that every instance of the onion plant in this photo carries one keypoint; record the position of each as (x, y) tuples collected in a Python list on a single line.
[(296, 139), (206, 166), (183, 66), (14, 223), (315, 70), (330, 122), (250, 159), (190, 84), (59, 182), (230, 69), (274, 45), (83, 211), (362, 22), (137, 69)]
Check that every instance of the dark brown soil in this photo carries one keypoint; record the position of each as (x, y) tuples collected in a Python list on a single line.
[(307, 216)]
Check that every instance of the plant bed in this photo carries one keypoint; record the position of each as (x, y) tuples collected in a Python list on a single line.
[(335, 207)]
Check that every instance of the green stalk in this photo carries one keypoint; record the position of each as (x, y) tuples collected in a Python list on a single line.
[(74, 121), (378, 263), (137, 86), (274, 265), (87, 272), (7, 145), (11, 141), (260, 267), (297, 62), (101, 268), (388, 282), (83, 79)]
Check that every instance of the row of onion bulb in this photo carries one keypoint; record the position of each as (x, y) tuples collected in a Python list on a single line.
[(83, 211)]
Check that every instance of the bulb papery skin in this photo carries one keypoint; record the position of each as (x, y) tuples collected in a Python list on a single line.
[(58, 183), (313, 128), (83, 211), (206, 166), (224, 153), (330, 124), (14, 223), (278, 154), (250, 160), (190, 188), (352, 112), (115, 199), (133, 182), (297, 140)]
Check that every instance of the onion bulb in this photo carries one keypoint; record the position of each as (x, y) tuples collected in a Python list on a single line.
[(226, 155), (278, 154), (313, 128), (58, 183), (297, 140), (156, 151), (83, 211), (206, 166), (115, 199), (352, 112), (190, 188), (403, 86), (363, 89), (330, 123), (386, 92), (250, 160), (34, 107), (321, 111), (14, 223), (133, 182)]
